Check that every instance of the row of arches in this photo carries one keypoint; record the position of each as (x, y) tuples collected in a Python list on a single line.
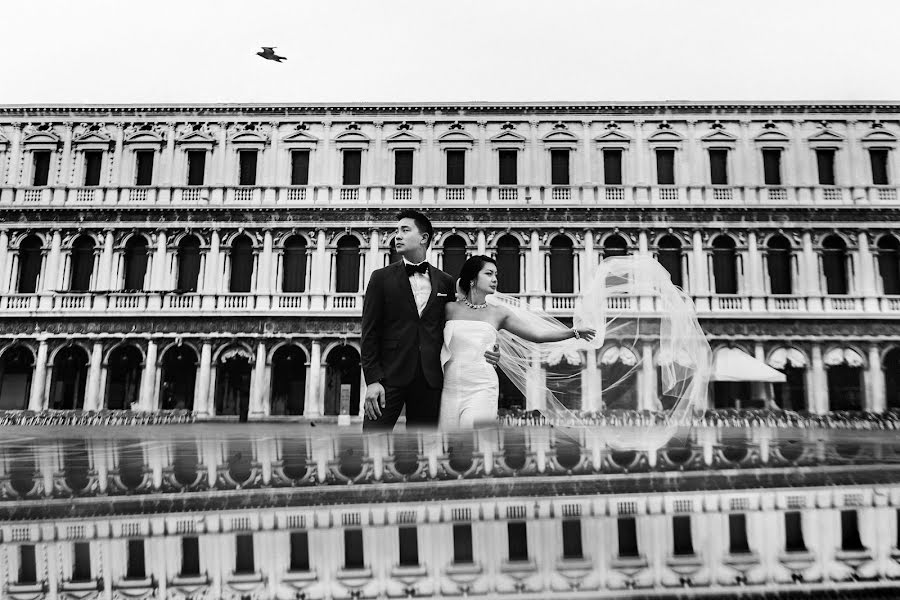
[(179, 367), (779, 252), (288, 392)]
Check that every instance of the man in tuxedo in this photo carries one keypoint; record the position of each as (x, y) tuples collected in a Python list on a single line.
[(403, 330)]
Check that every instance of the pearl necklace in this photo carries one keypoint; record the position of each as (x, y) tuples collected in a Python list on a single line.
[(475, 306)]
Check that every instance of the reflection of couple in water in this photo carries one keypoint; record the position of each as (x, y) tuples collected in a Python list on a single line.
[(430, 340)]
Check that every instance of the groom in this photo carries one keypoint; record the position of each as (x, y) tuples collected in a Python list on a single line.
[(403, 330)]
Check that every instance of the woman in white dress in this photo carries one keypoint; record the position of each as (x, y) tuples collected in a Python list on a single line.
[(471, 389)]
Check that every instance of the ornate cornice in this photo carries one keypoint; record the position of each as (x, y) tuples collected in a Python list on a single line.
[(240, 110)]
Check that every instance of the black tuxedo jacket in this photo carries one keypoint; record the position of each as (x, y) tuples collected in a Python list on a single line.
[(394, 337)]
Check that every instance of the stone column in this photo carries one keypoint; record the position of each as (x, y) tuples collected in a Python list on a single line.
[(264, 276), (590, 390), (211, 274), (482, 155), (167, 164), (379, 176), (319, 273), (875, 388), (812, 287), (481, 242), (649, 399), (221, 158), (534, 153), (373, 261), (818, 388), (535, 283), (149, 395), (589, 260), (66, 161), (118, 156), (588, 176), (699, 274), (50, 279), (273, 162), (160, 261), (4, 261), (755, 285), (15, 157), (258, 382), (37, 400), (314, 402), (865, 274), (92, 401), (201, 401), (759, 391)]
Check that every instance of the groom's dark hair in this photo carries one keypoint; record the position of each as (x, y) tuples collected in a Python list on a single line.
[(471, 268), (422, 222)]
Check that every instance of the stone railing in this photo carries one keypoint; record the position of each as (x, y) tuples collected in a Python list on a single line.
[(477, 194)]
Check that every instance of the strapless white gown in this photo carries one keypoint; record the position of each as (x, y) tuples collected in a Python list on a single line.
[(471, 390)]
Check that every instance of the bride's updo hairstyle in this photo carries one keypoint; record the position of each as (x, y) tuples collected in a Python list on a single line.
[(470, 270)]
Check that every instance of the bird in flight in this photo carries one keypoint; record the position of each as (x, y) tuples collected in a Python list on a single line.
[(268, 53)]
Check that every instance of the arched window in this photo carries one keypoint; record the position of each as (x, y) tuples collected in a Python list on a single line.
[(393, 255), (844, 374), (16, 368), (725, 265), (670, 257), (615, 245), (562, 266), (347, 265), (889, 264), (342, 380), (508, 280), (618, 376), (123, 385), (834, 264), (135, 263), (293, 277), (69, 379), (891, 364), (30, 259), (82, 264), (179, 374), (790, 395), (454, 255), (188, 264), (288, 381), (778, 263), (241, 265), (233, 383)]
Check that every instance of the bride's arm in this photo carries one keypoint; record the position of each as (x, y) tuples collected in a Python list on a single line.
[(517, 326)]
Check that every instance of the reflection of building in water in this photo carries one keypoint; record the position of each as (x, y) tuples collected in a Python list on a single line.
[(214, 257), (178, 513)]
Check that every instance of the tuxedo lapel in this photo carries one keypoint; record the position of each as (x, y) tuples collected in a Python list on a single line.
[(405, 288), (432, 273)]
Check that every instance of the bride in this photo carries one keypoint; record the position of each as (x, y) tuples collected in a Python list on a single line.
[(471, 389), (655, 361)]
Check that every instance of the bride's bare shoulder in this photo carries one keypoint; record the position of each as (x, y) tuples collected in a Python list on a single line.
[(450, 308)]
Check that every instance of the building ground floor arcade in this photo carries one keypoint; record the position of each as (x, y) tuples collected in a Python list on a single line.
[(254, 369)]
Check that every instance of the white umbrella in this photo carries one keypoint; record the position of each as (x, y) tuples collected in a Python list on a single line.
[(732, 364)]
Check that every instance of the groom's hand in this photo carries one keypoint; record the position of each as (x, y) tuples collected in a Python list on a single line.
[(374, 400), (493, 355)]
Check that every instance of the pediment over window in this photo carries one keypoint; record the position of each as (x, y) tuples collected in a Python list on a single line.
[(144, 137), (93, 140), (300, 138), (353, 136), (196, 138), (509, 140), (719, 137), (403, 136), (249, 138), (826, 137), (666, 136), (613, 137), (455, 136), (560, 136), (879, 137), (772, 136), (43, 139)]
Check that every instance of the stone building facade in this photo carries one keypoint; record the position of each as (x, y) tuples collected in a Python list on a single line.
[(213, 257)]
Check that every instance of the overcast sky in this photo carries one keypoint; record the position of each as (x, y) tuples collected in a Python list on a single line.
[(126, 51)]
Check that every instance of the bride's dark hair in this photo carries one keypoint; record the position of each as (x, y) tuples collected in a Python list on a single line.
[(470, 270)]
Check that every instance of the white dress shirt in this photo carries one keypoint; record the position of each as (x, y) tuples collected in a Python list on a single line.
[(421, 286)]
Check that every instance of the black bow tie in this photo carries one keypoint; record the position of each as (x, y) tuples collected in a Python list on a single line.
[(422, 268)]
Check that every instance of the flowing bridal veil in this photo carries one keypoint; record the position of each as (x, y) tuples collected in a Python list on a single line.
[(649, 353)]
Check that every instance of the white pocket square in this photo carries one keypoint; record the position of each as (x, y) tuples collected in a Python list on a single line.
[(441, 295)]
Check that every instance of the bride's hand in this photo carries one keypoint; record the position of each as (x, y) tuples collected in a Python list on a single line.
[(585, 333)]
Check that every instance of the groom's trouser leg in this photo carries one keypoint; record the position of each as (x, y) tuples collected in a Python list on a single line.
[(394, 398), (423, 403)]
